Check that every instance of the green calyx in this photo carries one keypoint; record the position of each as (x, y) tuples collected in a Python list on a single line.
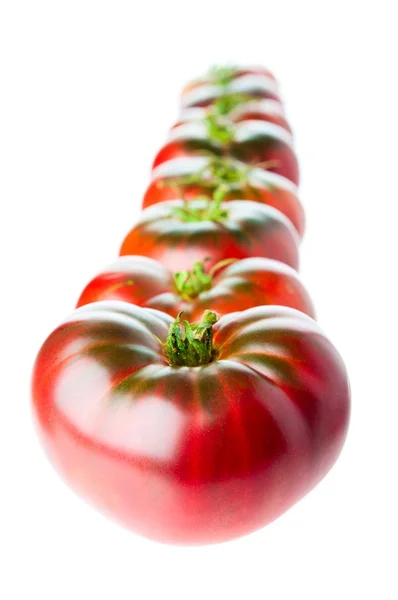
[(219, 129), (227, 102), (217, 172), (212, 211), (226, 172), (190, 284), (221, 75), (191, 345)]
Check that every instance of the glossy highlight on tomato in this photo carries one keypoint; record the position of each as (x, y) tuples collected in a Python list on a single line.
[(254, 85), (191, 396), (190, 454), (241, 229), (224, 75), (247, 109), (261, 110), (256, 143), (193, 177), (237, 286)]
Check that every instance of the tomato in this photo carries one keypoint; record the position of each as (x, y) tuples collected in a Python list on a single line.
[(191, 177), (238, 109), (190, 434), (253, 142), (255, 85), (177, 233), (260, 110), (227, 288), (223, 76)]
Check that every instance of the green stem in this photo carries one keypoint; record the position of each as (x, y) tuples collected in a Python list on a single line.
[(221, 75), (221, 265), (191, 345), (217, 171), (214, 207), (228, 172), (212, 211), (190, 284), (219, 129), (227, 102)]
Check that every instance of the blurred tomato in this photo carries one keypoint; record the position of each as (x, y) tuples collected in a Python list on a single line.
[(253, 142), (223, 76), (255, 85), (191, 177), (178, 234), (237, 109)]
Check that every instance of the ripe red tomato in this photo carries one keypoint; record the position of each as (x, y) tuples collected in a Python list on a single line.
[(253, 142), (245, 283), (191, 177), (223, 76), (255, 85), (243, 109), (261, 110), (192, 454), (178, 233)]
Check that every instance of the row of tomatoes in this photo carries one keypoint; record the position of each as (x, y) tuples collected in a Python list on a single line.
[(192, 395)]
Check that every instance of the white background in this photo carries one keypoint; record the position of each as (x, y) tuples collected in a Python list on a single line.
[(88, 90)]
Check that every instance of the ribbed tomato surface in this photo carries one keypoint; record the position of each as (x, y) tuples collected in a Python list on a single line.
[(197, 176), (248, 229), (241, 285), (190, 455), (252, 84), (225, 75), (253, 142), (247, 109)]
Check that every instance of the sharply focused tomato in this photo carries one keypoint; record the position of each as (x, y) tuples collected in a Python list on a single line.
[(191, 177), (190, 434), (238, 108), (253, 142), (178, 233), (223, 76), (227, 288)]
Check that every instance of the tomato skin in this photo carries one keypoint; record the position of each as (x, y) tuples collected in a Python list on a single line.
[(250, 229), (246, 283), (264, 110), (257, 110), (208, 79), (190, 455), (254, 143), (251, 84), (262, 186)]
